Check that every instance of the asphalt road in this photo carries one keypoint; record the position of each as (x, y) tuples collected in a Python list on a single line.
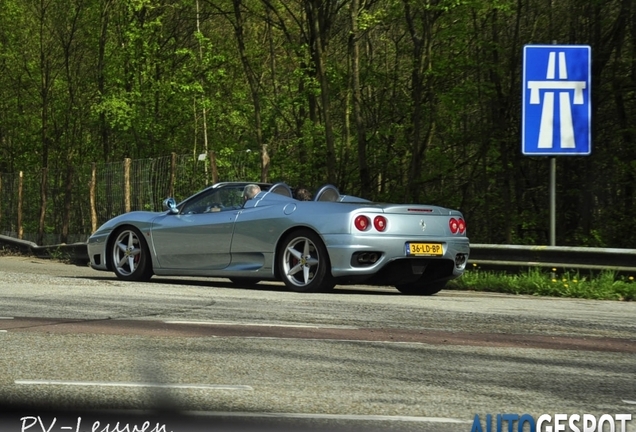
[(79, 346)]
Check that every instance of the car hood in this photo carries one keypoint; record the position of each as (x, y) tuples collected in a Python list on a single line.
[(135, 218)]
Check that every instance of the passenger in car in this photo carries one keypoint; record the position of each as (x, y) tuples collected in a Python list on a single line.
[(302, 194), (250, 191)]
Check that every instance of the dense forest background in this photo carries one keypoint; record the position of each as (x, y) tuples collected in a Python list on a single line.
[(393, 100)]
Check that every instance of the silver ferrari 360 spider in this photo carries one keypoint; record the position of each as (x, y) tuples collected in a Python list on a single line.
[(310, 245)]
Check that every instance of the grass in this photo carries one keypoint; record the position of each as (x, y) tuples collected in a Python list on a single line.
[(606, 285)]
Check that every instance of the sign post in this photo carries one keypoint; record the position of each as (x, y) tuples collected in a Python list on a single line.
[(556, 108)]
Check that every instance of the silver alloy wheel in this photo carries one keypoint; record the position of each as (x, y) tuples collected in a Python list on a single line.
[(127, 250), (301, 261)]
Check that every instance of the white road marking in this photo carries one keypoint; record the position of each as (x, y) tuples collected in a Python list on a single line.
[(134, 384), (229, 323), (6, 318), (330, 416), (361, 341), (629, 402)]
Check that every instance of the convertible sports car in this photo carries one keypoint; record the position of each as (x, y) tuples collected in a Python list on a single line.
[(310, 245)]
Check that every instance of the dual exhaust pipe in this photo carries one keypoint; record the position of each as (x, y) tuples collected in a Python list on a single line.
[(368, 257)]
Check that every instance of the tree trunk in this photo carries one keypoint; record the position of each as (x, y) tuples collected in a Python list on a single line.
[(253, 84), (104, 133), (318, 56), (354, 52), (420, 133)]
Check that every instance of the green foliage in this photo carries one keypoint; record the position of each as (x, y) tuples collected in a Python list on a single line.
[(118, 112), (98, 81), (368, 19), (606, 285)]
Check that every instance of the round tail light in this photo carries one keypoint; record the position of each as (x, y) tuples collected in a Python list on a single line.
[(462, 226), (362, 223), (453, 224), (379, 222)]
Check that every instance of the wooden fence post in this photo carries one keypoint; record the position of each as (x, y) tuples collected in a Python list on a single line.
[(173, 174), (43, 200), (92, 187), (127, 185), (213, 168), (68, 196), (20, 196), (264, 164)]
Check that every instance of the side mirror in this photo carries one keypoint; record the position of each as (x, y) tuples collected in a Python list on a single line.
[(171, 205)]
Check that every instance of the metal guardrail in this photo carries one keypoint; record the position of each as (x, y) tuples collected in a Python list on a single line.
[(76, 253), (509, 257), (575, 258)]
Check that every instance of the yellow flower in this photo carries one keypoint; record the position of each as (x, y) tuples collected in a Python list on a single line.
[(566, 285), (631, 278), (575, 281), (554, 280), (563, 280), (553, 269)]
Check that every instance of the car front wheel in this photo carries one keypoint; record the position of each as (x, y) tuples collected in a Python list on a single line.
[(303, 263), (131, 256)]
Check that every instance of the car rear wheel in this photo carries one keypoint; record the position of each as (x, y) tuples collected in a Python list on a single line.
[(131, 256), (303, 263), (420, 288)]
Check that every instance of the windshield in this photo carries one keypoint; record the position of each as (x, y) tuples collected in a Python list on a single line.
[(213, 200)]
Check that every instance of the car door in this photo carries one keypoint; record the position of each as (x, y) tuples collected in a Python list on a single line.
[(198, 237)]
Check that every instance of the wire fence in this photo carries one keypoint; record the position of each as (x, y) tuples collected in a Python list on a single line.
[(76, 200)]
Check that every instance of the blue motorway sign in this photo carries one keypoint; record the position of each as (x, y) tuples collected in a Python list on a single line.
[(557, 111)]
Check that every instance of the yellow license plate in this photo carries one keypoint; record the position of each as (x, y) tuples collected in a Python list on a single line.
[(427, 249)]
